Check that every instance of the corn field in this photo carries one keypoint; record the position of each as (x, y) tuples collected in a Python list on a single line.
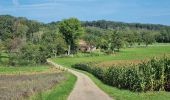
[(153, 75)]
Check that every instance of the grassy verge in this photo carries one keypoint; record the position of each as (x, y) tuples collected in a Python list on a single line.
[(59, 91), (119, 94)]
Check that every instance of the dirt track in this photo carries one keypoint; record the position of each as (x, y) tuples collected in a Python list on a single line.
[(84, 89)]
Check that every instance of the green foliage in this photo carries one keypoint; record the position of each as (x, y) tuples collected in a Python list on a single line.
[(29, 54), (116, 40), (167, 74), (121, 94), (54, 43), (163, 36), (57, 38), (1, 49), (130, 38), (35, 54), (6, 23), (29, 42), (147, 76), (95, 36), (147, 38), (71, 30)]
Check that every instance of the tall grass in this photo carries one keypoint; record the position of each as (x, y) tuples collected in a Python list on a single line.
[(21, 86), (59, 92)]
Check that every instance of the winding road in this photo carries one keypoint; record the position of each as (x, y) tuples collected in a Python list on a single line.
[(85, 88)]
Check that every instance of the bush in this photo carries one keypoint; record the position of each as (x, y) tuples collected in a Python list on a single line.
[(153, 75), (82, 66), (29, 54), (35, 54)]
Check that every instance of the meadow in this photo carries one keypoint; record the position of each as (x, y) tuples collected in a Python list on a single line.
[(127, 54)]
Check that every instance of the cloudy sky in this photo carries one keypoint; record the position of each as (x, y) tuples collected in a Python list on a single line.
[(144, 11)]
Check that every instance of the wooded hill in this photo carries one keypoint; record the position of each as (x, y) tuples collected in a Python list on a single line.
[(164, 30), (30, 41)]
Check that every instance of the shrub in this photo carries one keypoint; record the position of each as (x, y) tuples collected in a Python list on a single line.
[(29, 54), (82, 66)]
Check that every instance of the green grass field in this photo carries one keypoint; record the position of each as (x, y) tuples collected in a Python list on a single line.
[(141, 53), (125, 54)]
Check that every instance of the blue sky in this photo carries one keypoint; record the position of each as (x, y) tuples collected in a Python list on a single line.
[(144, 11)]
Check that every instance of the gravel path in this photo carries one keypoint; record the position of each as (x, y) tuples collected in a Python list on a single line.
[(84, 89)]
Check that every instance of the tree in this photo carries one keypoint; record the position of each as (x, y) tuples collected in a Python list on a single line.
[(1, 48), (148, 37), (129, 37), (71, 30), (6, 23), (54, 43), (33, 27), (13, 47), (138, 38), (116, 40), (95, 37), (21, 31), (33, 54)]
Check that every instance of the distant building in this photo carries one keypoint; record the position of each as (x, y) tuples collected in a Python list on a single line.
[(85, 47)]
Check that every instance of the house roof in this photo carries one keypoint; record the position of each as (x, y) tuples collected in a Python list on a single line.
[(82, 43)]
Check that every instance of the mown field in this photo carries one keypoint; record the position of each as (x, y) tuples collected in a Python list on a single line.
[(41, 82), (127, 55)]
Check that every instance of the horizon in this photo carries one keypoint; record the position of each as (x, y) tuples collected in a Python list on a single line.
[(86, 20), (133, 11)]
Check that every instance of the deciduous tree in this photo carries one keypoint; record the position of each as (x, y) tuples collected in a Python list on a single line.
[(71, 30)]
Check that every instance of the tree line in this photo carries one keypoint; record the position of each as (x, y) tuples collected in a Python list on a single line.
[(114, 39), (163, 30)]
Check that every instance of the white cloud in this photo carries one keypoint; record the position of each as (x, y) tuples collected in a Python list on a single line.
[(15, 2), (40, 5), (47, 4)]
